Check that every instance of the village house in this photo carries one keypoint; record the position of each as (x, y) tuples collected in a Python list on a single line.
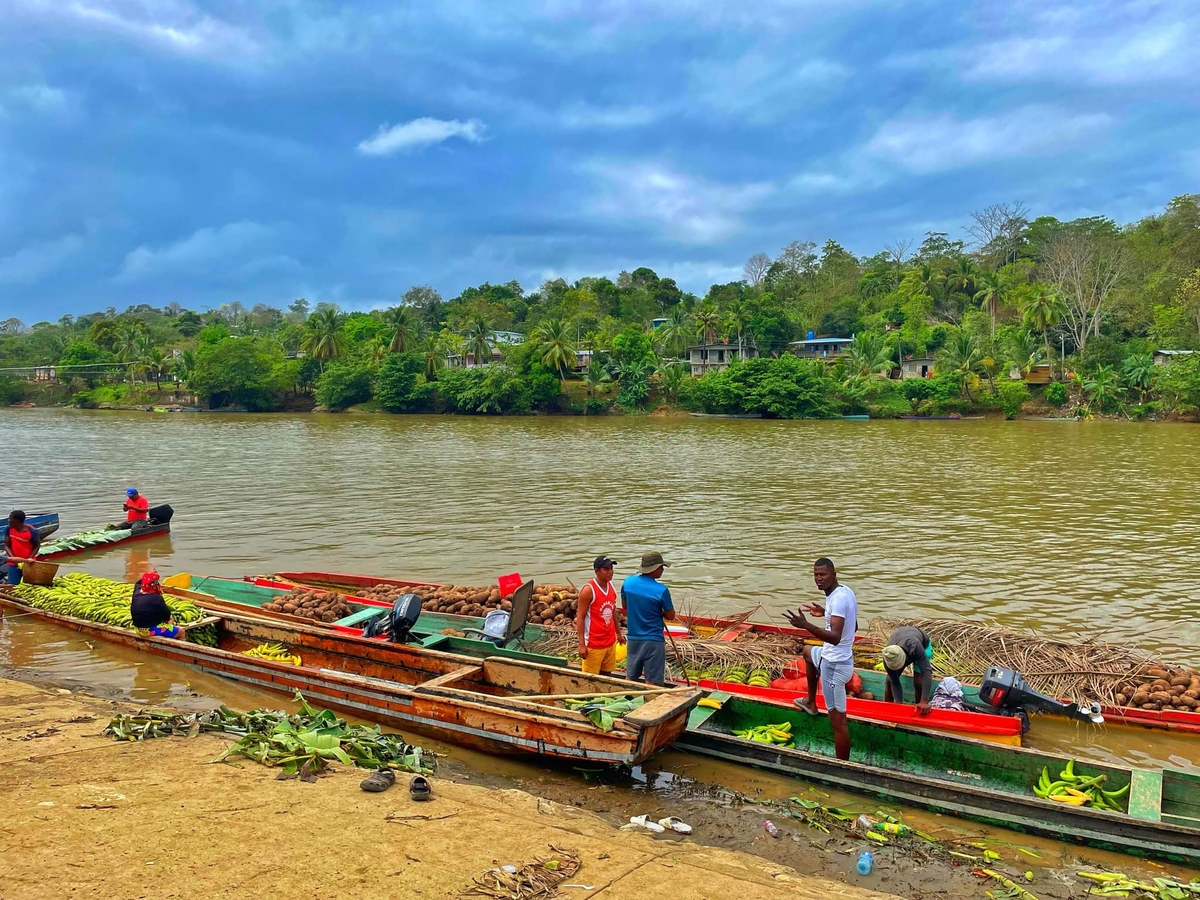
[(499, 339), (821, 347), (1162, 357), (715, 357), (916, 367)]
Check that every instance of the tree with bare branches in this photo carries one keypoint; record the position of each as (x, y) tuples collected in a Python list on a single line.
[(1085, 268), (999, 230), (756, 269)]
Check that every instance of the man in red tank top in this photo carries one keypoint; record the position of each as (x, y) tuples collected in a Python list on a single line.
[(596, 620)]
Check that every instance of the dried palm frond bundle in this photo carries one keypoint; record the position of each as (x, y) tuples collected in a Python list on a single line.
[(1074, 666)]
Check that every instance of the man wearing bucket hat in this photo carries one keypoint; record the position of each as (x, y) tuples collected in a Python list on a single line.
[(137, 506), (647, 604), (908, 646)]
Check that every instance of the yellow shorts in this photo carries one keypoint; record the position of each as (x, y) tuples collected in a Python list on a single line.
[(602, 660)]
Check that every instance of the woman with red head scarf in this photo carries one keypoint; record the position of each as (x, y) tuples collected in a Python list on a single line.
[(149, 610)]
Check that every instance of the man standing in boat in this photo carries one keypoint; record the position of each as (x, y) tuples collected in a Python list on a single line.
[(21, 543), (596, 620), (833, 661), (136, 506), (647, 604)]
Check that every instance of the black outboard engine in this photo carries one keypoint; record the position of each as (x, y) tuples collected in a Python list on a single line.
[(1005, 691), (160, 515), (405, 612)]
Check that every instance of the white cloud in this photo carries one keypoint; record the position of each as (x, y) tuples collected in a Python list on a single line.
[(32, 262), (762, 83), (935, 143), (687, 208), (580, 116), (208, 251), (418, 134)]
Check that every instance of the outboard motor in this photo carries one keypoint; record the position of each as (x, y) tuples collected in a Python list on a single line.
[(160, 515), (405, 612), (1005, 691)]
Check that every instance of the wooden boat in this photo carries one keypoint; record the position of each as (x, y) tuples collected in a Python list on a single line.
[(1175, 721), (139, 535), (961, 777), (931, 418), (45, 523), (497, 705), (983, 726)]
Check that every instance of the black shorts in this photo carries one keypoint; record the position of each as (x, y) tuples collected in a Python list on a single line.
[(646, 660)]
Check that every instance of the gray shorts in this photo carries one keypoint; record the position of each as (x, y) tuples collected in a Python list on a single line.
[(646, 660), (834, 676)]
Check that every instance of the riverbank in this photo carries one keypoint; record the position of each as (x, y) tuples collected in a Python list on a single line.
[(93, 817)]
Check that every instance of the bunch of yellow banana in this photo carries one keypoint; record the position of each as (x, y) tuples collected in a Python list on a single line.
[(273, 652), (768, 734), (1078, 790)]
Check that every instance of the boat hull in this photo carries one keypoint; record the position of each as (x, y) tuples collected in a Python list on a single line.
[(144, 534)]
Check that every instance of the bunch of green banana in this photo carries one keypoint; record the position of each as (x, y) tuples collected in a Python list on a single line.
[(273, 652), (1078, 790), (767, 734), (759, 678), (101, 600), (735, 675)]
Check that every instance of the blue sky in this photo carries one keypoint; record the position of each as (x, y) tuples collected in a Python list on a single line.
[(172, 150)]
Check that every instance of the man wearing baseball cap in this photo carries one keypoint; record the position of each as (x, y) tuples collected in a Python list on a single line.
[(647, 604), (596, 620), (137, 506), (909, 646)]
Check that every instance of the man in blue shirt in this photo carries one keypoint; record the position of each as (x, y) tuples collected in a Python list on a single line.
[(647, 604)]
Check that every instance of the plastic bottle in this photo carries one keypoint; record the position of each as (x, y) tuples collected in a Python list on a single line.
[(864, 822), (864, 863), (890, 828), (770, 828)]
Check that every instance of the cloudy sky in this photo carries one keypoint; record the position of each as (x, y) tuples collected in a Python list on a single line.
[(262, 150)]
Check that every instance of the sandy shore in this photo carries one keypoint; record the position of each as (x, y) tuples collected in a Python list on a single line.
[(91, 817)]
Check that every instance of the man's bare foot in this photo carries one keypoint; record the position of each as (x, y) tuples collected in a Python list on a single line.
[(808, 706)]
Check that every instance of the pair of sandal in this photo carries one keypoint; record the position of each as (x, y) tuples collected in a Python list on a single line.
[(380, 780)]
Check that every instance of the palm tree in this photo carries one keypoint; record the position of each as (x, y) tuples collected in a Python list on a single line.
[(1138, 372), (555, 347), (677, 333), (185, 364), (324, 339), (868, 356), (595, 377), (960, 356), (929, 280), (670, 379), (155, 363), (990, 294), (378, 350), (1043, 309), (1022, 349), (962, 277), (127, 343), (737, 311), (478, 334), (1102, 387), (708, 320), (406, 327)]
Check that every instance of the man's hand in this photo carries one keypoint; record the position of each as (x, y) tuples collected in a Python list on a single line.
[(620, 637), (582, 650), (796, 619), (818, 611), (923, 707)]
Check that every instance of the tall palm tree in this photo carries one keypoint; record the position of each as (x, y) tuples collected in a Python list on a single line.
[(961, 356), (127, 343), (155, 363), (708, 320), (990, 294), (737, 311), (1022, 349), (1042, 309), (929, 279), (555, 347), (478, 334), (595, 377), (378, 350), (406, 328), (868, 355), (324, 338), (677, 333), (185, 364), (963, 275)]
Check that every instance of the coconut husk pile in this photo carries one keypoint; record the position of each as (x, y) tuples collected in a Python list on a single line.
[(1072, 667), (538, 880)]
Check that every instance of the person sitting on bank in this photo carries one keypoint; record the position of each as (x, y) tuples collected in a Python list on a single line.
[(149, 610), (647, 604), (908, 646), (136, 506), (21, 544), (596, 620), (833, 661)]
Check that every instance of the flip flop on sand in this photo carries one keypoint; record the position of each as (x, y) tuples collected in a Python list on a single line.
[(676, 824), (419, 788), (647, 823), (378, 781), (811, 709)]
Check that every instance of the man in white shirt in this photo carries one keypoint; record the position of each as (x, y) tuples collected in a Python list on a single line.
[(833, 661)]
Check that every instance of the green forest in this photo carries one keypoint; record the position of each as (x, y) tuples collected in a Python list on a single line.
[(1091, 298)]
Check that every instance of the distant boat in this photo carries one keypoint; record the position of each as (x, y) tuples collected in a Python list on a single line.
[(856, 417), (727, 415), (933, 418), (1051, 418)]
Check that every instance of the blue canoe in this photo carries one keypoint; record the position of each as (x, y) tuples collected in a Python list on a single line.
[(45, 523)]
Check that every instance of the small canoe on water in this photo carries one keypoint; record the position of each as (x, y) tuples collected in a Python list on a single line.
[(984, 726), (496, 705), (1172, 720), (961, 777), (158, 523), (45, 523)]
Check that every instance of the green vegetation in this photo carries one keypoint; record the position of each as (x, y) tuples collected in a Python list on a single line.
[(1085, 304)]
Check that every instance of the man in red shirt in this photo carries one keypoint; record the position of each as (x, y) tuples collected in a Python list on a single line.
[(21, 542), (136, 505), (596, 620)]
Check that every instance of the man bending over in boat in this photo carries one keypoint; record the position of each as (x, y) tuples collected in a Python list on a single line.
[(21, 544), (149, 610), (909, 646), (596, 620), (833, 661)]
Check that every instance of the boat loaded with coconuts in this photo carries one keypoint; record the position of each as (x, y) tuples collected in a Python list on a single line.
[(1149, 695), (494, 704)]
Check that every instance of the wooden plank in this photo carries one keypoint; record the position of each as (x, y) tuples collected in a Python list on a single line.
[(451, 677), (660, 709), (1145, 795)]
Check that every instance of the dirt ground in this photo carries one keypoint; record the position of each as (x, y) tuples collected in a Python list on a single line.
[(90, 817)]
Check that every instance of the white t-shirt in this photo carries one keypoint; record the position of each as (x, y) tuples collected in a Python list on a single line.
[(841, 602)]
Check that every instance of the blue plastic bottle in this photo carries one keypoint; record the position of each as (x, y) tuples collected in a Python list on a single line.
[(864, 863)]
